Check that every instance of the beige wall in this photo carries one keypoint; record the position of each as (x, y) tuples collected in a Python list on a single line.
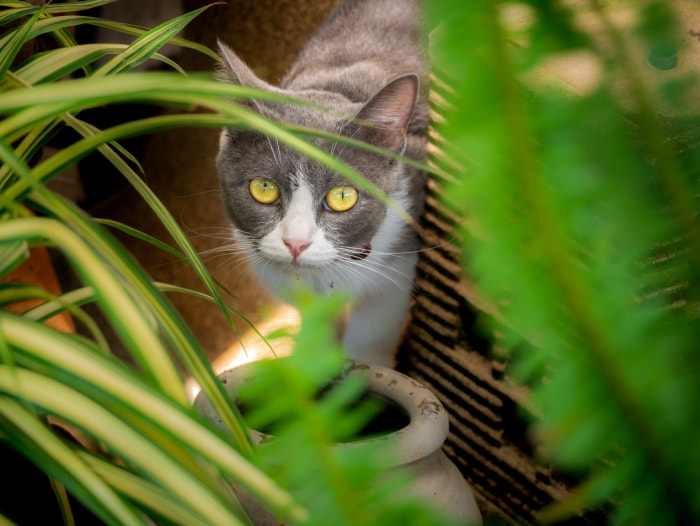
[(267, 34)]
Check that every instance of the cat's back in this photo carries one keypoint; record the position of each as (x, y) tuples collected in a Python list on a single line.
[(362, 46)]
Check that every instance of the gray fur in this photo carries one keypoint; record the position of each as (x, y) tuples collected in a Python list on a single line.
[(367, 65)]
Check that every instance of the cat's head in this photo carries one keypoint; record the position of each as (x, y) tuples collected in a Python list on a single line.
[(295, 213)]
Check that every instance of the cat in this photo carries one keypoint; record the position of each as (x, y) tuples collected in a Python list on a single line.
[(297, 220)]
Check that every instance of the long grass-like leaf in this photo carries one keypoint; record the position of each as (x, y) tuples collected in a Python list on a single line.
[(9, 50), (15, 10), (128, 318), (11, 256), (167, 287), (157, 206), (56, 24), (81, 411), (58, 459), (138, 234), (27, 148), (83, 295), (194, 359), (56, 7), (147, 44), (51, 305), (64, 503), (58, 63), (114, 384), (18, 9), (75, 6), (76, 298), (164, 89), (206, 94), (143, 492), (171, 323)]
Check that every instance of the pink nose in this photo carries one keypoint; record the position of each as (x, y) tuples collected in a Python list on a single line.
[(296, 246)]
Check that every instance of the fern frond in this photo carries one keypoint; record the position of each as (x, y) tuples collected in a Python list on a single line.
[(566, 210)]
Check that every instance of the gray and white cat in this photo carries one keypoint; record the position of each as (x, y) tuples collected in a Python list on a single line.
[(297, 220)]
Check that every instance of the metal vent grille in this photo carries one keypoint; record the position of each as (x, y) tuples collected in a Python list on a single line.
[(444, 351)]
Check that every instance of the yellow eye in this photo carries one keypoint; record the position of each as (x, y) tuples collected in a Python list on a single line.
[(341, 198), (264, 191)]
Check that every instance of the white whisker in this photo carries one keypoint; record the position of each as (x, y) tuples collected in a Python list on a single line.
[(344, 145), (359, 268)]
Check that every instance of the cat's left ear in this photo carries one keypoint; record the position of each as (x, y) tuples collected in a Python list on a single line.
[(238, 71), (384, 119)]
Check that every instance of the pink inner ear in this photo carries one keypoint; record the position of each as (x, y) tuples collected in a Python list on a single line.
[(393, 106), (385, 117)]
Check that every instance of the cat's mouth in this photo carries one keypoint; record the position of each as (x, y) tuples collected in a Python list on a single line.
[(362, 252), (298, 264)]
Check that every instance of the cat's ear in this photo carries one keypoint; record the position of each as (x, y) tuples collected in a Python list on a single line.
[(383, 121), (237, 71)]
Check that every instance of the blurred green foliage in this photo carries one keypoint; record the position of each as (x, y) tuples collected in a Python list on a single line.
[(581, 206), (580, 226), (125, 441)]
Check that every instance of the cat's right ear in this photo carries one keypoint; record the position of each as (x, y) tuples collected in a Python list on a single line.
[(383, 121)]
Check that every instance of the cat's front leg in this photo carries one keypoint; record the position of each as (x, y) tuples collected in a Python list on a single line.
[(374, 327), (376, 321)]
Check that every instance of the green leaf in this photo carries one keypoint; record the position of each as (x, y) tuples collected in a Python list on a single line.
[(143, 492), (108, 383), (63, 502), (9, 50), (127, 316), (69, 405), (25, 150), (59, 24), (56, 457), (75, 6), (135, 233), (190, 353), (12, 255), (567, 200), (52, 305), (147, 44), (15, 10), (41, 103), (56, 64)]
